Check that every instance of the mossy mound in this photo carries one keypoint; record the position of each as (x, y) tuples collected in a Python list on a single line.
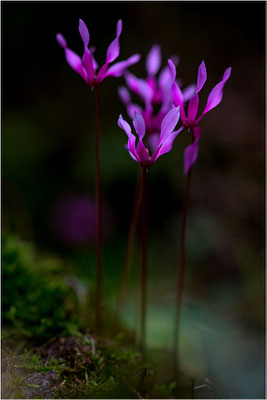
[(37, 302)]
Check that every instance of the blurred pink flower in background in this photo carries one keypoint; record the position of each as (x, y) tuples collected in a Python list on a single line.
[(155, 92), (74, 220)]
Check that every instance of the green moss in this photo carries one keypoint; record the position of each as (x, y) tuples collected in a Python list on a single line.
[(35, 304)]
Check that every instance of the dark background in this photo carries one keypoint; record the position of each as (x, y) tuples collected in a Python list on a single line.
[(48, 154)]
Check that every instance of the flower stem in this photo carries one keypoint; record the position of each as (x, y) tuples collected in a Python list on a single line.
[(181, 271), (144, 260), (98, 316), (126, 269)]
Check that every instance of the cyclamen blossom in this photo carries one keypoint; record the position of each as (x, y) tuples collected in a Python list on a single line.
[(87, 66), (191, 121), (153, 91), (167, 135)]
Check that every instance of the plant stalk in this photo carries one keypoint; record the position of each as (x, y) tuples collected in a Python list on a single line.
[(144, 260), (181, 271), (126, 269), (99, 272)]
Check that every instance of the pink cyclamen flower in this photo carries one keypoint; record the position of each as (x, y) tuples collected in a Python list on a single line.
[(154, 91), (87, 66), (191, 121), (167, 135)]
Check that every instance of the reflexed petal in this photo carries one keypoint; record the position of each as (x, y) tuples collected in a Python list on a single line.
[(139, 125), (119, 68), (119, 27), (132, 149), (169, 123), (114, 47), (216, 93), (131, 138), (172, 69), (140, 87), (190, 156), (152, 141), (125, 126), (164, 77), (92, 50), (192, 108), (113, 50), (84, 33), (102, 73), (197, 132), (75, 62), (132, 109), (61, 40), (153, 60), (88, 64), (189, 92), (142, 152), (124, 94), (166, 146), (132, 154), (201, 76), (191, 152), (178, 100), (167, 97)]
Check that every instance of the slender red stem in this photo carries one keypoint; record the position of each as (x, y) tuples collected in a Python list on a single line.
[(144, 260), (126, 269), (99, 272), (181, 269)]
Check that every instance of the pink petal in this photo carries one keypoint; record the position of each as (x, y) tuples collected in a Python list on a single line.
[(172, 69), (132, 109), (61, 40), (139, 125), (92, 50), (114, 47), (191, 152), (152, 141), (124, 95), (169, 123), (75, 63), (140, 87), (164, 77), (166, 146), (119, 68), (125, 126), (102, 73), (131, 138), (88, 64), (119, 27), (192, 109), (216, 94), (142, 151), (167, 97), (201, 76), (189, 92), (84, 33), (153, 60), (132, 154)]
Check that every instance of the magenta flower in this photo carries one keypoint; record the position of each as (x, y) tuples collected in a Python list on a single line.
[(167, 135), (87, 66), (154, 92), (191, 121)]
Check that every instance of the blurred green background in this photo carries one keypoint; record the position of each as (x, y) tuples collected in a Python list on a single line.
[(48, 166)]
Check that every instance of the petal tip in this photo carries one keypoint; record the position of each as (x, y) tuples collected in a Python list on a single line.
[(61, 40), (119, 27)]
